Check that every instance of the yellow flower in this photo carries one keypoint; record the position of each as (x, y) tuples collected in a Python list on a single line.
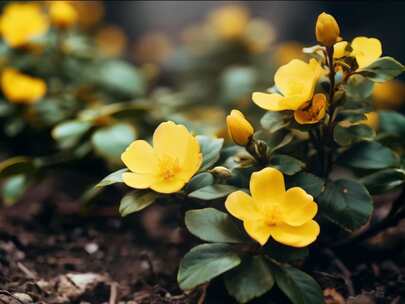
[(229, 22), (339, 49), (327, 30), (166, 166), (21, 88), (312, 111), (62, 13), (366, 50), (239, 128), (271, 211), (21, 22), (296, 81)]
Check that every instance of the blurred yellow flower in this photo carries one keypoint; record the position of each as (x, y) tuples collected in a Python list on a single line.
[(21, 22), (271, 211), (327, 30), (372, 120), (239, 128), (312, 111), (152, 47), (389, 94), (296, 82), (366, 50), (229, 22), (62, 13), (259, 34), (89, 12), (166, 166), (288, 51), (21, 88), (111, 40)]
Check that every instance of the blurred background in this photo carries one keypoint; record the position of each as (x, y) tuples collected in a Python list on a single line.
[(292, 20)]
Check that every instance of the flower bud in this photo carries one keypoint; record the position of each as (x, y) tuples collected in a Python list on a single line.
[(327, 30), (221, 171), (239, 129), (62, 14)]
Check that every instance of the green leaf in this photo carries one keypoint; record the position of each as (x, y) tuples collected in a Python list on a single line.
[(312, 184), (111, 141), (113, 178), (274, 121), (285, 254), (298, 286), (346, 136), (69, 133), (346, 203), (392, 123), (199, 181), (369, 155), (210, 149), (351, 116), (237, 82), (384, 68), (384, 181), (120, 77), (212, 192), (212, 225), (358, 88), (205, 262), (16, 165), (14, 188), (136, 201), (251, 279), (287, 164)]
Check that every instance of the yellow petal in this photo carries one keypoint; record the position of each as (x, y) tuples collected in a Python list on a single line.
[(140, 157), (258, 230), (366, 50), (298, 207), (170, 139), (168, 185), (138, 181), (273, 101), (267, 188), (242, 206), (313, 111), (192, 158), (339, 49), (299, 236)]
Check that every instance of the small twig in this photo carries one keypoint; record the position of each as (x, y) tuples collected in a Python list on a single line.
[(8, 294), (201, 299), (346, 274), (113, 293), (31, 275)]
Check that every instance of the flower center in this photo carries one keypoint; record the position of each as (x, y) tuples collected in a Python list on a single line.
[(169, 167), (274, 216)]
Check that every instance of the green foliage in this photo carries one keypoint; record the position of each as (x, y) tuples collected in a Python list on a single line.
[(205, 262), (369, 155), (358, 88), (136, 201), (212, 192), (113, 178), (111, 141), (299, 287), (199, 181), (251, 279), (383, 69), (384, 180), (14, 188), (392, 123), (346, 203), (346, 136), (17, 165), (69, 133), (286, 164), (210, 149), (212, 225), (274, 121), (312, 184)]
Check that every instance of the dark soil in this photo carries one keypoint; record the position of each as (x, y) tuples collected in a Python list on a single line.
[(45, 237)]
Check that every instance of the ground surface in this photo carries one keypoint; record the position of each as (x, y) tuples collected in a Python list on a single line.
[(51, 252)]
